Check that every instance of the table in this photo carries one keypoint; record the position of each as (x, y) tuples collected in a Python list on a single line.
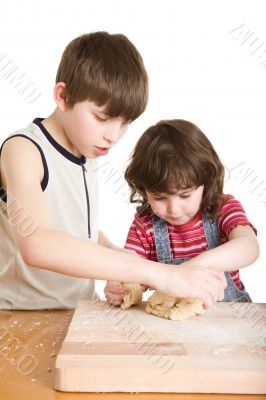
[(29, 343)]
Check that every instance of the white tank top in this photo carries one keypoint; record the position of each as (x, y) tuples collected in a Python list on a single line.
[(70, 190)]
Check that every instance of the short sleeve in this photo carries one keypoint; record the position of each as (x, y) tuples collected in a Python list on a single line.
[(137, 239), (232, 215)]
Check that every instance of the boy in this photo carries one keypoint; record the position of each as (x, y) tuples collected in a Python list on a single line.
[(51, 250)]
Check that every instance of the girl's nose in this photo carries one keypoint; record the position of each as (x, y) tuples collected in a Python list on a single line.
[(173, 208)]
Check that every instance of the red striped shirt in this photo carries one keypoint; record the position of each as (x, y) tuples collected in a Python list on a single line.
[(188, 240)]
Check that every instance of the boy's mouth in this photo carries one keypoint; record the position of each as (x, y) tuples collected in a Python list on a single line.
[(101, 151)]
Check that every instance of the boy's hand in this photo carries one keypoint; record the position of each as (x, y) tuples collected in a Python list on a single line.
[(114, 293), (191, 281)]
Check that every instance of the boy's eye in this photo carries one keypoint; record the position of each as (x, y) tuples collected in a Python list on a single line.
[(184, 196), (159, 198), (101, 119), (105, 119)]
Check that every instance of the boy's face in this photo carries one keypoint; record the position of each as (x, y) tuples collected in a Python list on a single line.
[(178, 208), (90, 132)]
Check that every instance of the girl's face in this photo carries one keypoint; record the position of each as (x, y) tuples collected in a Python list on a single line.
[(178, 208)]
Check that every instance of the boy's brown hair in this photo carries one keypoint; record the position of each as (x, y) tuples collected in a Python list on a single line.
[(108, 70), (174, 155)]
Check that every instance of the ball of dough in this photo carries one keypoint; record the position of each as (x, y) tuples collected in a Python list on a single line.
[(173, 308), (133, 295)]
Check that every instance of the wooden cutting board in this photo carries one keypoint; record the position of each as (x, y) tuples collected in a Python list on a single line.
[(112, 350)]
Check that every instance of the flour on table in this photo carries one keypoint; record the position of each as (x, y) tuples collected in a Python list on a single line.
[(173, 308), (133, 295)]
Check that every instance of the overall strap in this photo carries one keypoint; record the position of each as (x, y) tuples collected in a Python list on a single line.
[(211, 232), (231, 293), (161, 236)]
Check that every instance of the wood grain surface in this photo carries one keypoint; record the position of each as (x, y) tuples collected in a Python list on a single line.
[(112, 350)]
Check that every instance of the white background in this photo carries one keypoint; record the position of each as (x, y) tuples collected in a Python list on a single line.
[(201, 67)]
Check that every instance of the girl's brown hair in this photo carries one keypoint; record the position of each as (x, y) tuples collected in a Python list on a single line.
[(108, 70), (174, 155)]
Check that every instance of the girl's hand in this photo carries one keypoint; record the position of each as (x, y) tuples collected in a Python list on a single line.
[(114, 293), (146, 287)]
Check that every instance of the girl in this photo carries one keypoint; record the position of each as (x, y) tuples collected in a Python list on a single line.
[(177, 178)]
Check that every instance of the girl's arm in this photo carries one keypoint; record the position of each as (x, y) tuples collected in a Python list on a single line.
[(241, 250)]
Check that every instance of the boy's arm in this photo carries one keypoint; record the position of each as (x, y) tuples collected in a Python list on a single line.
[(105, 241), (47, 248), (114, 291), (241, 250)]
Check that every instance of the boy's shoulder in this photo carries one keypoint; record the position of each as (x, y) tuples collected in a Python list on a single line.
[(22, 143), (30, 131)]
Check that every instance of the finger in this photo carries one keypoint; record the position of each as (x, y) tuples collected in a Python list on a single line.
[(117, 302), (117, 290), (114, 298), (220, 286), (114, 287), (206, 298), (218, 282), (217, 290), (144, 287), (221, 295), (212, 290), (220, 276), (113, 284), (113, 302)]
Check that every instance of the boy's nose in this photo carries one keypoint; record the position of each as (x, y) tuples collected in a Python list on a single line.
[(114, 132)]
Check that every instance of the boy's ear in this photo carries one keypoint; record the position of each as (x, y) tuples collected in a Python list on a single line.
[(60, 96)]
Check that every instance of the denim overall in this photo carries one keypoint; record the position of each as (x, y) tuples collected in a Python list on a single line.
[(164, 255)]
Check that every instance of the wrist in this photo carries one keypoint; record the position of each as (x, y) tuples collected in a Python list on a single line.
[(159, 275), (198, 261), (151, 273)]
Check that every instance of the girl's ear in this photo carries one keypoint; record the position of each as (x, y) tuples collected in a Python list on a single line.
[(60, 96)]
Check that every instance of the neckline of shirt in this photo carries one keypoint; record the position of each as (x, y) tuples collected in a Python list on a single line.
[(71, 157), (187, 225)]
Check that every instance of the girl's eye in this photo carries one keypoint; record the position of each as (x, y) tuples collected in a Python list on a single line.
[(158, 198), (184, 196)]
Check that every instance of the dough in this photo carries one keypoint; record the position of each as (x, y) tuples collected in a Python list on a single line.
[(173, 308), (133, 294)]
